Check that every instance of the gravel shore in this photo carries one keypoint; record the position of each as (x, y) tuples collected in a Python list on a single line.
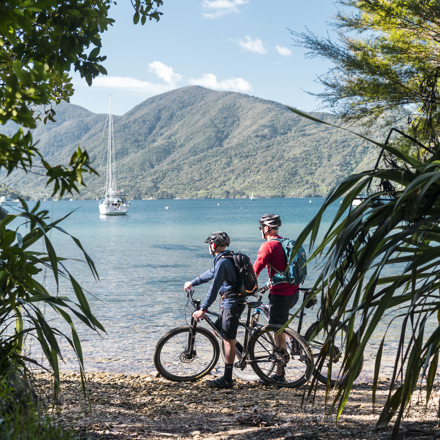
[(149, 407)]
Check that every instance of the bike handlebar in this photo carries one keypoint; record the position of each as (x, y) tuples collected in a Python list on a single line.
[(262, 289), (258, 293)]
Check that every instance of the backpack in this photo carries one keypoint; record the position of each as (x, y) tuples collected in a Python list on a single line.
[(246, 276), (296, 271)]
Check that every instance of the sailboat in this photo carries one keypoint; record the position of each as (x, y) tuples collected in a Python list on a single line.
[(252, 197), (113, 202)]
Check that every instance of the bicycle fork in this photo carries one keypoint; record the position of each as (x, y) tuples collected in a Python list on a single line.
[(190, 351)]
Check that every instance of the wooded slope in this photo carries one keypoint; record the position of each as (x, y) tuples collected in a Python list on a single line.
[(195, 142)]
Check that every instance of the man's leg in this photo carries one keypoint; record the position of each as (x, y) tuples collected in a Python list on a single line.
[(229, 345), (230, 319), (279, 314), (229, 350), (280, 341)]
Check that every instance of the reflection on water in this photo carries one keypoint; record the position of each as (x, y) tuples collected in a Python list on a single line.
[(144, 258)]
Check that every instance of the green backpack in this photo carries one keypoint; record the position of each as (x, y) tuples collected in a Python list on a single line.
[(296, 271)]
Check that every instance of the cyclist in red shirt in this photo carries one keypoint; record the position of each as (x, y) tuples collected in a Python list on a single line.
[(282, 296)]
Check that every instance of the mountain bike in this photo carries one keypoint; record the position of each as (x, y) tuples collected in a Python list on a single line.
[(331, 365), (190, 352)]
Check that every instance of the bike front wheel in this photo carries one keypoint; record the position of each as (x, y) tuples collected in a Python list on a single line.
[(174, 359), (331, 368), (285, 354)]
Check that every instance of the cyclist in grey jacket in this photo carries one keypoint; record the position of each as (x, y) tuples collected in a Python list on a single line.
[(226, 284)]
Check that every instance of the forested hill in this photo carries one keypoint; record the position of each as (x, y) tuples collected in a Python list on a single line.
[(195, 142)]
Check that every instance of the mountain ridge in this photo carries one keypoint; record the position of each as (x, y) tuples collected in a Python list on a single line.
[(196, 143)]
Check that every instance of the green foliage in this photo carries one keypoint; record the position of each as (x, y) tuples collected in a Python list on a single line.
[(22, 295), (386, 66), (396, 227), (40, 42), (195, 142), (146, 8), (385, 62), (21, 418)]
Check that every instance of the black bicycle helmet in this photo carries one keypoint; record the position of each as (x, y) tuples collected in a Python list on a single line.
[(219, 238), (271, 220)]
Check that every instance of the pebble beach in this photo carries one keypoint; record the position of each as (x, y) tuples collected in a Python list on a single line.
[(150, 407)]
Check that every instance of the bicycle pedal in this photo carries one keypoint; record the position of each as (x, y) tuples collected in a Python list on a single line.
[(241, 364)]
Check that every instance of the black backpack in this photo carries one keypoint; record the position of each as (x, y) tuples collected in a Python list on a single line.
[(247, 279)]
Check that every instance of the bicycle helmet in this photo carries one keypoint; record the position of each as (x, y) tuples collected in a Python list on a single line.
[(273, 221), (219, 239)]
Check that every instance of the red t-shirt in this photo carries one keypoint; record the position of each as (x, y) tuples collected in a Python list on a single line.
[(272, 252)]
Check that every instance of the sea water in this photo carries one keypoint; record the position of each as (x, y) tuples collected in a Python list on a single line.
[(144, 259)]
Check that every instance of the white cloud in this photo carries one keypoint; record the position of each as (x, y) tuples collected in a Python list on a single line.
[(251, 45), (130, 84), (166, 73), (170, 79), (231, 84), (219, 8), (162, 71), (286, 52)]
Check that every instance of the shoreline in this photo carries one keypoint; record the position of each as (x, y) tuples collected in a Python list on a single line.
[(133, 406), (67, 199)]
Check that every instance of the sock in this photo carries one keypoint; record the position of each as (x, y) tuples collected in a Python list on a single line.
[(228, 372), (239, 347)]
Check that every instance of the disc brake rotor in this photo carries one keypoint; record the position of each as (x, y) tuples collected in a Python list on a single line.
[(186, 358)]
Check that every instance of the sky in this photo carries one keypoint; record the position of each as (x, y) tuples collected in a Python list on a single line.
[(228, 45)]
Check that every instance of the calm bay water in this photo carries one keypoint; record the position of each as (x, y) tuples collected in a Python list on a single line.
[(144, 258)]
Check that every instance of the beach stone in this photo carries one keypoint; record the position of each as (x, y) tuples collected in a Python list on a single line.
[(246, 404)]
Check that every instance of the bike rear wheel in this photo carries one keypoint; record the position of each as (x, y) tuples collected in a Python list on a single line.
[(295, 362), (333, 361), (172, 357)]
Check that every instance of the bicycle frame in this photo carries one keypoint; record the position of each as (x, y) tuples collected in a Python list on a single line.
[(302, 312), (248, 326)]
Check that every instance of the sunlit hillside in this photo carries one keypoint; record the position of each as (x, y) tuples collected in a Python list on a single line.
[(195, 142)]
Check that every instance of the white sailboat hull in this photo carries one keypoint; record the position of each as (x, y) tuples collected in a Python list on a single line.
[(109, 209)]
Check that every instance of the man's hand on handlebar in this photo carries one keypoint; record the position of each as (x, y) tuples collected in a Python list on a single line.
[(198, 315), (187, 286)]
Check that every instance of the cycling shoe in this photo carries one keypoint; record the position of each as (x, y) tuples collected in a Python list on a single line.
[(220, 383)]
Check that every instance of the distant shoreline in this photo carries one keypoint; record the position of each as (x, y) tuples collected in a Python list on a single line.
[(177, 198)]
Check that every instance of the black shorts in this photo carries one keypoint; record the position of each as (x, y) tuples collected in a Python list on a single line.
[(279, 306), (228, 323)]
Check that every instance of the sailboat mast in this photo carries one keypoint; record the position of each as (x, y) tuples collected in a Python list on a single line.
[(110, 182), (112, 203)]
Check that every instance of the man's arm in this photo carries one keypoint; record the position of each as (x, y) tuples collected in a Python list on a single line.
[(215, 286), (204, 278), (263, 258)]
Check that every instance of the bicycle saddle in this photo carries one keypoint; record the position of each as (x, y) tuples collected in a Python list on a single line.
[(252, 304)]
